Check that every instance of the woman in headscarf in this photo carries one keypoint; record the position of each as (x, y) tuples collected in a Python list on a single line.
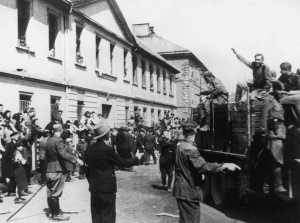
[(8, 122)]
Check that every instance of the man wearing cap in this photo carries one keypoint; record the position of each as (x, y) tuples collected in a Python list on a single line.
[(56, 155), (189, 165), (290, 80), (217, 90), (261, 76), (149, 145), (272, 134), (50, 125), (101, 160)]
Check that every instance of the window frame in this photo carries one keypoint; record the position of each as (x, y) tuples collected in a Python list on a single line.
[(125, 54), (97, 48), (24, 19), (79, 57), (111, 58), (151, 72), (134, 69), (144, 70), (158, 79)]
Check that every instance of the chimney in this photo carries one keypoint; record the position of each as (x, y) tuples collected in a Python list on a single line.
[(141, 29)]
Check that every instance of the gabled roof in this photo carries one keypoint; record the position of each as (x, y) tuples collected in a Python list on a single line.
[(117, 13), (156, 56), (168, 49)]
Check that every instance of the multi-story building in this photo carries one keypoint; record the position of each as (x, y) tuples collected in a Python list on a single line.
[(83, 53), (189, 81)]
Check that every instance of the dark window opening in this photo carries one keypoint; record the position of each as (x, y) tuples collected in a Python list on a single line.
[(80, 109), (53, 31), (23, 20), (112, 47), (98, 39), (79, 57), (158, 80), (164, 82), (134, 70), (125, 65), (151, 76), (24, 101), (144, 73)]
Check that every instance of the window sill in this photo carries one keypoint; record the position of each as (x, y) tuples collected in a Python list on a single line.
[(25, 49), (80, 65), (126, 81), (152, 89), (135, 84), (165, 93), (171, 95), (54, 59), (158, 91), (144, 87), (109, 77)]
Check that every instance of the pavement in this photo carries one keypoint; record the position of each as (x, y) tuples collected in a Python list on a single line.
[(140, 197)]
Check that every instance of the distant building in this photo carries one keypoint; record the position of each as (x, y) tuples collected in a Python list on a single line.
[(188, 81), (85, 54)]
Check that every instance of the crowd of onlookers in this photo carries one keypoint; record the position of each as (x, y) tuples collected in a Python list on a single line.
[(20, 133)]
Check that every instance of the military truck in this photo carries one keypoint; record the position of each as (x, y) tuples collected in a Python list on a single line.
[(232, 133)]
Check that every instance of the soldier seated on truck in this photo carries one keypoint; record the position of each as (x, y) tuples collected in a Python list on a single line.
[(272, 135), (290, 80), (261, 77), (219, 94)]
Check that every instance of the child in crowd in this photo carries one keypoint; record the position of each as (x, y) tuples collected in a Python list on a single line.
[(20, 173)]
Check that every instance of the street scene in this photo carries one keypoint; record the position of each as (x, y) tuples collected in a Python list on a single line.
[(149, 111)]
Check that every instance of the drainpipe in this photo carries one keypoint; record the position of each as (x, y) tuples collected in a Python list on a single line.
[(65, 57)]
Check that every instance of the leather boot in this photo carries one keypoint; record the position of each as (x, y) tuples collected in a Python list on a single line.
[(50, 207), (57, 215), (277, 188)]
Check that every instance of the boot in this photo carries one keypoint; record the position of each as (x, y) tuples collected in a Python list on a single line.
[(50, 207), (205, 128), (277, 188), (57, 214)]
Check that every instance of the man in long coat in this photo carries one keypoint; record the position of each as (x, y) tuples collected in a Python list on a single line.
[(101, 159)]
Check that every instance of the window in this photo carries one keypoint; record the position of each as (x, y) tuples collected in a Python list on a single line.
[(24, 101), (134, 70), (98, 39), (151, 76), (106, 111), (159, 114), (126, 115), (53, 31), (112, 47), (164, 82), (23, 20), (145, 113), (144, 74), (79, 57), (52, 102), (152, 113), (171, 84), (124, 62), (158, 80), (80, 109)]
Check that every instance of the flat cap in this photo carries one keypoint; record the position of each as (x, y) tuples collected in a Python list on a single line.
[(285, 65), (208, 74)]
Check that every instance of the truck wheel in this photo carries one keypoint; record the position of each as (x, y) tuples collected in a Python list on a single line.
[(206, 188), (219, 190)]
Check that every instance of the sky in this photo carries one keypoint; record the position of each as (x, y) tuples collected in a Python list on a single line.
[(210, 28)]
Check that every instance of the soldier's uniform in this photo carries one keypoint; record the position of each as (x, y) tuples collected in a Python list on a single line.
[(56, 153), (219, 93), (291, 81)]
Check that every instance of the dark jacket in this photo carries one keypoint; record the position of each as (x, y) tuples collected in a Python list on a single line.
[(121, 141), (49, 127), (7, 167), (167, 157), (129, 141), (70, 165), (101, 159), (149, 142), (56, 155), (291, 82), (139, 141), (189, 165)]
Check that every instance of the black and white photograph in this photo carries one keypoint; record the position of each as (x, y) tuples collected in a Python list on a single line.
[(150, 111)]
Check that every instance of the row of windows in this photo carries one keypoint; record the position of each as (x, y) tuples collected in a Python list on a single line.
[(54, 27)]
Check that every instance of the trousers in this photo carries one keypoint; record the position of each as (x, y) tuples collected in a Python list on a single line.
[(189, 212), (166, 170), (149, 152), (55, 184), (103, 207)]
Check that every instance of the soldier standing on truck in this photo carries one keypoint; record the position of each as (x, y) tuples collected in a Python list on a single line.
[(290, 80), (272, 135), (219, 93), (261, 77)]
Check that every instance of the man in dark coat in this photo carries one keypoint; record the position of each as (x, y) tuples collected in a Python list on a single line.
[(290, 80), (122, 143), (140, 140), (8, 166), (50, 125), (149, 145), (56, 155), (101, 160), (81, 148), (189, 166), (43, 164), (167, 159)]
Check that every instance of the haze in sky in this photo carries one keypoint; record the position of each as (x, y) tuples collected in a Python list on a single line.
[(210, 28)]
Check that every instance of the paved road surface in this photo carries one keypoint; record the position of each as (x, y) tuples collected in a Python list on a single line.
[(140, 197)]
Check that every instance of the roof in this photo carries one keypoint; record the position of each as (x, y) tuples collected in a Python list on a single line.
[(168, 49), (142, 46), (117, 13)]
